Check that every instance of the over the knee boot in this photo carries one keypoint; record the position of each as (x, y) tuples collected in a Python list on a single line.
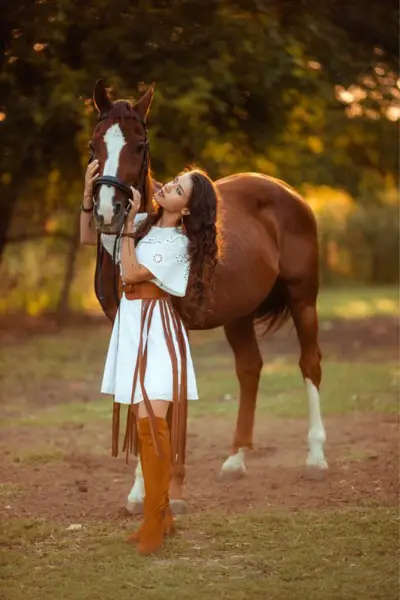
[(168, 520), (156, 474)]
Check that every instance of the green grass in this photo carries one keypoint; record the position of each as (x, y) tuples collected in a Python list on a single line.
[(8, 491), (282, 556), (346, 388), (358, 302)]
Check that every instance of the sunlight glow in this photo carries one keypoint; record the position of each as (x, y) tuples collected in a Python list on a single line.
[(39, 47), (315, 65), (393, 113)]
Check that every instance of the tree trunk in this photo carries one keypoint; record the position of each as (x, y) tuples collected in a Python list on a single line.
[(7, 205), (62, 308)]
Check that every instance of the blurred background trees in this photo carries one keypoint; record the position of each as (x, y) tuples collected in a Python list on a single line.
[(304, 91)]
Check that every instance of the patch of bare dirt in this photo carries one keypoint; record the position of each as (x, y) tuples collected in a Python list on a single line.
[(79, 482)]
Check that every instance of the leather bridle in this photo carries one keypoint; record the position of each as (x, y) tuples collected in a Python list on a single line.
[(117, 183), (144, 170)]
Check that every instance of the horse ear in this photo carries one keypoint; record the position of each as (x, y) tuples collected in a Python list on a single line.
[(142, 106), (100, 97)]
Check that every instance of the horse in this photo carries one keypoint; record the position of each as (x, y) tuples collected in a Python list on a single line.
[(268, 272)]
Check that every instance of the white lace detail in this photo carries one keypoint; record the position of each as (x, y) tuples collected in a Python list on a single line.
[(150, 240), (164, 253), (158, 258)]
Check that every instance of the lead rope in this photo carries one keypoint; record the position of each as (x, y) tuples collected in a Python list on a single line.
[(116, 405)]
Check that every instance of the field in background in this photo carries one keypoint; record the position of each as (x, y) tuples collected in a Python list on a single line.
[(275, 534)]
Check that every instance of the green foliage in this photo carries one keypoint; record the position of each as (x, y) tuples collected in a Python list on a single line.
[(300, 91)]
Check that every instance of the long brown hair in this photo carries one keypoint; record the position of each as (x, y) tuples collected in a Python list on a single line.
[(200, 226)]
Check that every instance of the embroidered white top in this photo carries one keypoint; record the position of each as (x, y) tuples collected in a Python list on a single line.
[(163, 251)]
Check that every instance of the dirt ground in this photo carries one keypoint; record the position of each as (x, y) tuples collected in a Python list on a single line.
[(94, 487), (75, 478)]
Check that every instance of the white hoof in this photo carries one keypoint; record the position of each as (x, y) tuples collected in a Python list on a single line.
[(134, 507), (178, 506), (316, 462), (234, 467)]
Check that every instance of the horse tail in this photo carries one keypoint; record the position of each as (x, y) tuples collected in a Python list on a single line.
[(274, 311)]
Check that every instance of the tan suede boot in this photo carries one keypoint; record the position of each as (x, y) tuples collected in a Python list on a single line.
[(158, 519), (169, 528)]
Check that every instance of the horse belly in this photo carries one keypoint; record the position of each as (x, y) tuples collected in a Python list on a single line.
[(241, 286)]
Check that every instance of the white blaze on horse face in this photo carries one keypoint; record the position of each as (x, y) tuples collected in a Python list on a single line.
[(115, 141)]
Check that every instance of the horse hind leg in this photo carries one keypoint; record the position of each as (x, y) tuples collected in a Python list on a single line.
[(242, 339), (304, 313)]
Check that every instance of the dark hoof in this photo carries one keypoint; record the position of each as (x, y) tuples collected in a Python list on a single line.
[(178, 507), (134, 508)]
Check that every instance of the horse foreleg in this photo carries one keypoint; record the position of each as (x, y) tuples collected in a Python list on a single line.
[(305, 319), (134, 503), (177, 502), (242, 339)]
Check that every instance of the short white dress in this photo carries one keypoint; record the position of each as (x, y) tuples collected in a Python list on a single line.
[(163, 251)]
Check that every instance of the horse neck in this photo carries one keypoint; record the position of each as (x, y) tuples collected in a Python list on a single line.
[(148, 200)]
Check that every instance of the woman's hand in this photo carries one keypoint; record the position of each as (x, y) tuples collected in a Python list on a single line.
[(90, 176), (135, 205)]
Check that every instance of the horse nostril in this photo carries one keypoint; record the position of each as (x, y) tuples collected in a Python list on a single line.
[(117, 207)]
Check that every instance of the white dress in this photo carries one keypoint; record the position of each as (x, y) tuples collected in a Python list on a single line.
[(163, 251)]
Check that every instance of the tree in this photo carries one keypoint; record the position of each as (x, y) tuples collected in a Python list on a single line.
[(240, 85)]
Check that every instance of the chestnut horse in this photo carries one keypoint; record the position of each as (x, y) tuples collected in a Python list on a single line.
[(268, 271)]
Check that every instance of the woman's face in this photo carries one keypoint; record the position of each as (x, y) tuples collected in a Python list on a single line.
[(174, 196)]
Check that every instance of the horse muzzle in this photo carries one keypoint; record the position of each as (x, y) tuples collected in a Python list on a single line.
[(116, 223), (119, 207)]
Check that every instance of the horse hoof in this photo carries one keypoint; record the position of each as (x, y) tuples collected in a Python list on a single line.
[(318, 471), (135, 507), (319, 464), (178, 507), (228, 475)]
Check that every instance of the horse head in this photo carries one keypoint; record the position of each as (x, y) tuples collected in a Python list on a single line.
[(120, 143)]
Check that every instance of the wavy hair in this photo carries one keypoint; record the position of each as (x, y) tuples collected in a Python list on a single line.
[(200, 226)]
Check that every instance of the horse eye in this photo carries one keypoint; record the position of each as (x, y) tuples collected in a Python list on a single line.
[(140, 146)]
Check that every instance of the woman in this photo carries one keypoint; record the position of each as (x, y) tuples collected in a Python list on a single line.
[(149, 366)]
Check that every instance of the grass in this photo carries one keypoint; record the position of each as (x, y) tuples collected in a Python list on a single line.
[(347, 387), (50, 383), (282, 556), (358, 302), (8, 491)]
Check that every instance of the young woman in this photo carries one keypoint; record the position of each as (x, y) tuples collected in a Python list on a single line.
[(149, 366)]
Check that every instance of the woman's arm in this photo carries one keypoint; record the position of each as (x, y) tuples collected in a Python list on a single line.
[(131, 270), (88, 229)]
